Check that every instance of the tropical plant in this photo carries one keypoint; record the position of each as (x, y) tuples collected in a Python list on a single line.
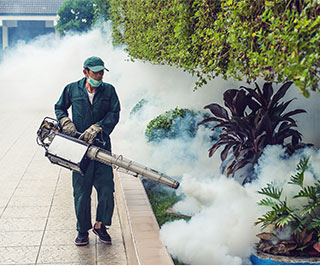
[(257, 118), (75, 15), (301, 220)]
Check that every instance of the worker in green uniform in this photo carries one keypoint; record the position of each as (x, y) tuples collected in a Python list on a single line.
[(95, 112)]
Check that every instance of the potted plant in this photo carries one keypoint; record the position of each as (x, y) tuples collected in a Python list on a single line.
[(297, 217), (256, 118)]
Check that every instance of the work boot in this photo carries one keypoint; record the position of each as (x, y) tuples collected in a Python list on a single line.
[(104, 237), (82, 239)]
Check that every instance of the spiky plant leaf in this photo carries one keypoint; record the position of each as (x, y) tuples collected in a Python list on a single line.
[(280, 93), (303, 164), (284, 220), (298, 225), (266, 219), (281, 208), (267, 91), (267, 202), (271, 191), (297, 179), (307, 192), (310, 207), (314, 224)]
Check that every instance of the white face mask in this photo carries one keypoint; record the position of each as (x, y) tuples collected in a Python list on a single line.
[(93, 82)]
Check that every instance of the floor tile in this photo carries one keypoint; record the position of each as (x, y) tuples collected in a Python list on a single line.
[(22, 224), (25, 212), (23, 238), (4, 199), (66, 211), (111, 254), (18, 255), (31, 201), (34, 192), (7, 192), (61, 223), (64, 237), (36, 183), (61, 254)]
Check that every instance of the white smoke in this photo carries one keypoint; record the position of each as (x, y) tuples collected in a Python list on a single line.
[(221, 229)]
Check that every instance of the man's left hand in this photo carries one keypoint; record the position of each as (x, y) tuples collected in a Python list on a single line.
[(90, 133)]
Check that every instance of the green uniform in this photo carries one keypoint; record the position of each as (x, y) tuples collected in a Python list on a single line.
[(104, 111)]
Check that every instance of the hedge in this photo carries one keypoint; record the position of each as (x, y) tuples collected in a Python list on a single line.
[(276, 40)]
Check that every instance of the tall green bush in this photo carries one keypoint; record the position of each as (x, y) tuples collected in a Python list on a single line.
[(241, 39), (101, 10)]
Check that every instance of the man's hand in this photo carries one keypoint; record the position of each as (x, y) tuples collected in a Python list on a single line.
[(68, 127), (89, 134)]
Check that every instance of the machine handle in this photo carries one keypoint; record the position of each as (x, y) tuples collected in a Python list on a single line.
[(95, 141)]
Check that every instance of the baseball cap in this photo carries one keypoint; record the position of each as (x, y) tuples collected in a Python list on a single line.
[(94, 63)]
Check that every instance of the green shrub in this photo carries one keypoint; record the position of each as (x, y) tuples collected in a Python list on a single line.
[(172, 124)]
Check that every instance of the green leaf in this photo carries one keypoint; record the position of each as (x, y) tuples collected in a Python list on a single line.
[(298, 178), (310, 207), (307, 192), (267, 202), (271, 191)]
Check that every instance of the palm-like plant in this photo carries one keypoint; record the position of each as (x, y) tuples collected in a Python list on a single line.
[(256, 119), (303, 221)]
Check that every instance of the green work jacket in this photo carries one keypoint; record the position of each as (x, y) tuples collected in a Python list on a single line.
[(104, 111)]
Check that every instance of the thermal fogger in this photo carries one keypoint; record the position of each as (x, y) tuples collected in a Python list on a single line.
[(75, 154)]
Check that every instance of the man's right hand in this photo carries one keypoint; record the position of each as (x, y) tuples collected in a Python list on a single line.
[(68, 127)]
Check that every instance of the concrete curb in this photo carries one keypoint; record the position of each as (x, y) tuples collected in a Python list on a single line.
[(139, 226)]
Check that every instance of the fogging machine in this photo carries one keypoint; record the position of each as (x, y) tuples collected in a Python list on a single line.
[(75, 154)]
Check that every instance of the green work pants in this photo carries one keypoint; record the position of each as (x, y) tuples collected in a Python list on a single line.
[(101, 177)]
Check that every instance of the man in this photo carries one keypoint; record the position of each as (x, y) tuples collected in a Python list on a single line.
[(95, 112)]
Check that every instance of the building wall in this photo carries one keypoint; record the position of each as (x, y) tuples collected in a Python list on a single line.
[(27, 30), (15, 28)]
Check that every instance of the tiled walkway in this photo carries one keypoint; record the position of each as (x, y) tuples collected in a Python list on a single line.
[(37, 220)]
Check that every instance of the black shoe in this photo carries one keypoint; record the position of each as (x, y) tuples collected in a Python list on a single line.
[(104, 237), (82, 239)]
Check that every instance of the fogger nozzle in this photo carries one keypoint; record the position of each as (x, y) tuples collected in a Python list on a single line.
[(75, 154), (130, 167)]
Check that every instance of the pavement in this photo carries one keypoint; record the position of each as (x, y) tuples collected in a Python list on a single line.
[(37, 219)]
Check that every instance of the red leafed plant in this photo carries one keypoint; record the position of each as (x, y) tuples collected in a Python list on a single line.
[(256, 118)]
